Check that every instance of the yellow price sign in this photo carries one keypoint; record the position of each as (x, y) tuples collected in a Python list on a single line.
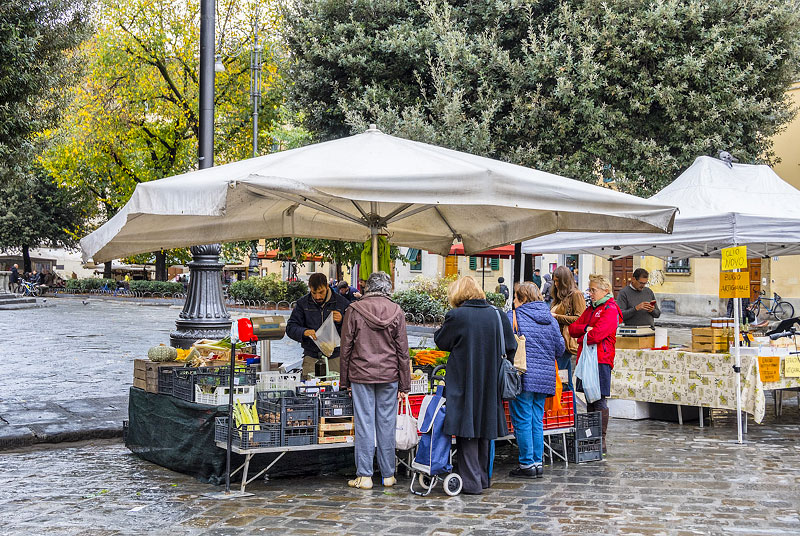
[(734, 284), (769, 368), (791, 366), (734, 258)]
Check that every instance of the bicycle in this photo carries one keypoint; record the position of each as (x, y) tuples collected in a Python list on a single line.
[(780, 309), (28, 289)]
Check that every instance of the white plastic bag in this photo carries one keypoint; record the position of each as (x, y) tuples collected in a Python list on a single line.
[(587, 372), (405, 432), (328, 337)]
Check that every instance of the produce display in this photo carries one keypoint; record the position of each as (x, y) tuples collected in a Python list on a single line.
[(244, 414), (428, 356)]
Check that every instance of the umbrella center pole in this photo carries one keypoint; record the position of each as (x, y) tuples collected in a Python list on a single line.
[(373, 231)]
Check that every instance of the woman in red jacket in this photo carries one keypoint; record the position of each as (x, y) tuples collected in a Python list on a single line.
[(599, 323)]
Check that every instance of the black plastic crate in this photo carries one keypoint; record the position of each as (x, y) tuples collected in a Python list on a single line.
[(579, 451), (220, 376), (589, 425), (165, 377), (296, 437), (585, 450), (335, 404), (248, 436), (288, 411), (183, 383)]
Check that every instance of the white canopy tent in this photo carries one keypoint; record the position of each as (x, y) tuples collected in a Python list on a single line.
[(419, 195), (719, 207)]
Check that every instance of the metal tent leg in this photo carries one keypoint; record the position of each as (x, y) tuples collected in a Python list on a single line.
[(680, 415)]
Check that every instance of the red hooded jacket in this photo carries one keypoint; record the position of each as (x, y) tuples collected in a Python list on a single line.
[(603, 320)]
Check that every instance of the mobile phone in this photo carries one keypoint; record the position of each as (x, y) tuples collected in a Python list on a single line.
[(652, 302)]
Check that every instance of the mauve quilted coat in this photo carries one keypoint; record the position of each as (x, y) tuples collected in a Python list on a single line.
[(543, 344)]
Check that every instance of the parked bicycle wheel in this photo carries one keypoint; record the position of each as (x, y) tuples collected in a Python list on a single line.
[(783, 310)]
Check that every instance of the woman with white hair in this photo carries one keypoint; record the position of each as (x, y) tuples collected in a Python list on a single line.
[(374, 364)]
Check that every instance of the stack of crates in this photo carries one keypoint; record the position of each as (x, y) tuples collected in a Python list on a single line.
[(586, 443), (298, 416)]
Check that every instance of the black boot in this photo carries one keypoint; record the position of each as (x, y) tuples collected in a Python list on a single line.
[(604, 414)]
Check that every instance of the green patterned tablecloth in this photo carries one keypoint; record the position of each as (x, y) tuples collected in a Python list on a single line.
[(691, 379)]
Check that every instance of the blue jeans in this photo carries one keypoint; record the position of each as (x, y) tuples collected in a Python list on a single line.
[(565, 363), (527, 411)]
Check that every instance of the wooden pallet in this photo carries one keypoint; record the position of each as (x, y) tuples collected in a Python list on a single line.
[(336, 430)]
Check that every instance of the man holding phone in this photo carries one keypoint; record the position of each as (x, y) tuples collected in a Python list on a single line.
[(637, 301)]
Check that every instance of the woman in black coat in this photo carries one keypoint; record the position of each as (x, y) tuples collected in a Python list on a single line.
[(472, 333)]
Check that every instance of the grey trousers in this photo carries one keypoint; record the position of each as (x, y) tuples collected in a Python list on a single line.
[(375, 408)]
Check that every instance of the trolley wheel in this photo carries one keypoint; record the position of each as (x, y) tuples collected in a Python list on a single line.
[(783, 311), (452, 484), (425, 481)]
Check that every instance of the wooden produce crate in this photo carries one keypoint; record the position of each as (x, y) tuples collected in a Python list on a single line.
[(636, 343), (336, 430), (712, 340), (145, 373)]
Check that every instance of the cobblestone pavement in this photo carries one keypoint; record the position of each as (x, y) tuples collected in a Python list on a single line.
[(660, 478)]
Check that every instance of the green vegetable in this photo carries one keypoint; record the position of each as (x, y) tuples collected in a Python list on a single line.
[(162, 353)]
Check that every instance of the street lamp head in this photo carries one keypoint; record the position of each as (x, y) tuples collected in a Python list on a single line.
[(219, 67)]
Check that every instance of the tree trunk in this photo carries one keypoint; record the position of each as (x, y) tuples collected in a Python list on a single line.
[(339, 271), (161, 266), (26, 260), (107, 270)]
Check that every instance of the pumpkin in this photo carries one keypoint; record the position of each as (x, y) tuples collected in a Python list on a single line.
[(162, 353)]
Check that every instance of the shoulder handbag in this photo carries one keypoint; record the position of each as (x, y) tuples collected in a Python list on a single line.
[(509, 381), (520, 358)]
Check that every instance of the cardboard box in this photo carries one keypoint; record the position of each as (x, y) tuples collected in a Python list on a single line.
[(635, 343)]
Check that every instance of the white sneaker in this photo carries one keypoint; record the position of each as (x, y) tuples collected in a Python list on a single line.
[(361, 482), (390, 481)]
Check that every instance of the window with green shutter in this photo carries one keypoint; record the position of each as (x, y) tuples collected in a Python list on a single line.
[(473, 263), (495, 264)]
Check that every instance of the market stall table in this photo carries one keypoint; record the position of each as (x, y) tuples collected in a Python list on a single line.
[(249, 453), (692, 379)]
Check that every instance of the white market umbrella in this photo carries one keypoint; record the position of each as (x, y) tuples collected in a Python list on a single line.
[(721, 205), (420, 195)]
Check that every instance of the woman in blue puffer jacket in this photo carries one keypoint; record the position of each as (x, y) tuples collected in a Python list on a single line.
[(543, 345)]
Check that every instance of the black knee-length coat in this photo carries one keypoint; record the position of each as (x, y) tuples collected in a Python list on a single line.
[(472, 335)]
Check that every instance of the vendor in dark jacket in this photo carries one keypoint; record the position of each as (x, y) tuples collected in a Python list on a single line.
[(309, 313), (476, 334)]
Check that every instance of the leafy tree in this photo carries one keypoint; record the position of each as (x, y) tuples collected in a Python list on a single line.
[(35, 212), (133, 117), (35, 38), (629, 89)]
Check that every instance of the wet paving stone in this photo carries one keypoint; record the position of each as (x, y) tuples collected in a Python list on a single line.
[(659, 479)]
